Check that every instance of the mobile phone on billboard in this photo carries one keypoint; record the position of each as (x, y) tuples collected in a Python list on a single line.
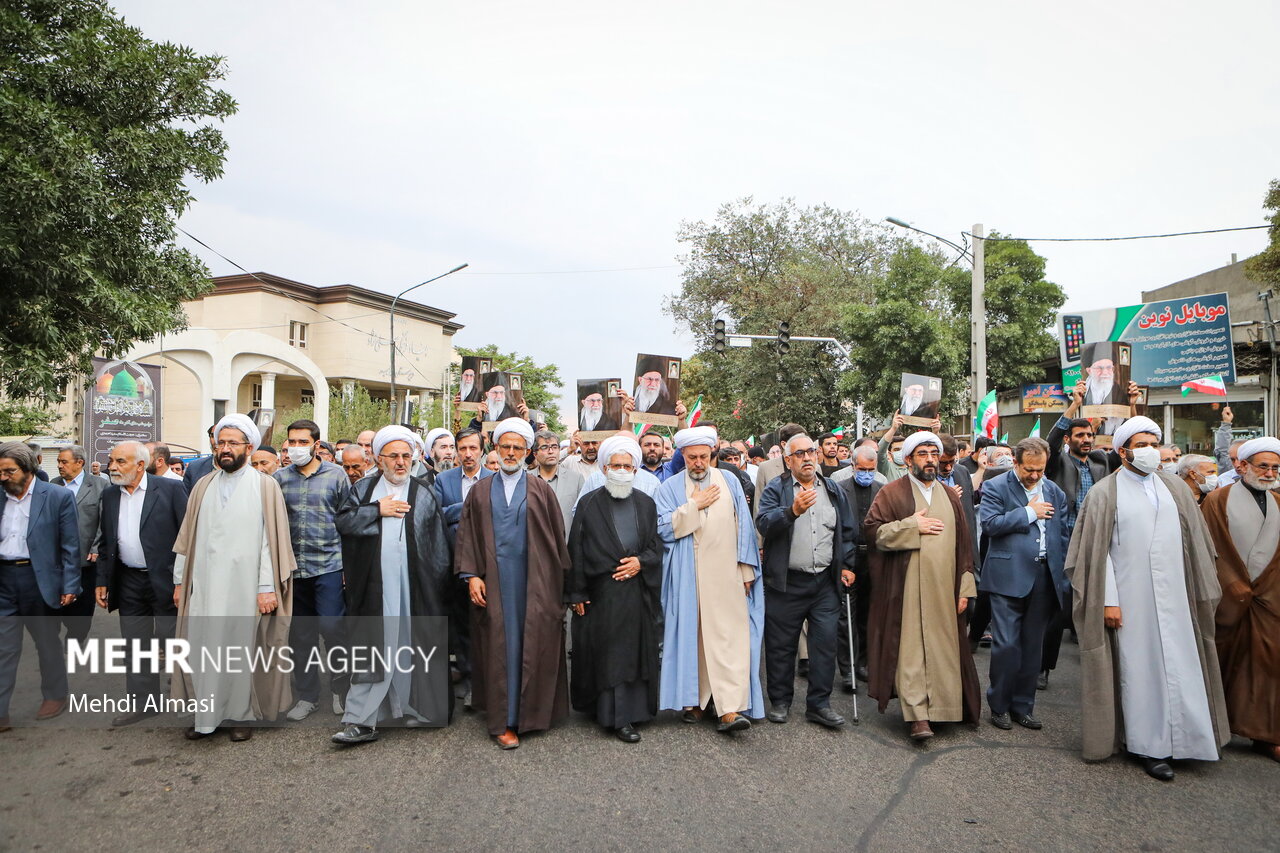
[(1073, 335)]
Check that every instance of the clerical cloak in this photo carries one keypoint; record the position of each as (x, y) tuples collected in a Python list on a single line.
[(616, 641), (362, 527), (538, 561), (1248, 617), (1102, 712), (892, 572)]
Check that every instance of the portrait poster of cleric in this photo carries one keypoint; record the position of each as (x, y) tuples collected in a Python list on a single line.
[(921, 399), (503, 395), (1106, 370), (599, 408), (470, 392), (657, 389)]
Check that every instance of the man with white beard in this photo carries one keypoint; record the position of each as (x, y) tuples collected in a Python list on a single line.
[(652, 394), (496, 404), (441, 449), (592, 416), (911, 399), (468, 392), (396, 561)]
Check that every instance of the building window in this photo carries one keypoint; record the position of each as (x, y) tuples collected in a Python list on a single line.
[(297, 334), (255, 396), (307, 397)]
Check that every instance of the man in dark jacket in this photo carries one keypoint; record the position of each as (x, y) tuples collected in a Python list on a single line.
[(860, 490), (808, 533)]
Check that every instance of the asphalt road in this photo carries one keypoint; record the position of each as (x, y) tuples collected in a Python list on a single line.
[(792, 786)]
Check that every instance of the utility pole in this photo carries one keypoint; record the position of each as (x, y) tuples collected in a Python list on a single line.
[(978, 321), (395, 415)]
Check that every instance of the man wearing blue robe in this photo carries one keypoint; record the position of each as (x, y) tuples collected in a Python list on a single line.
[(712, 597)]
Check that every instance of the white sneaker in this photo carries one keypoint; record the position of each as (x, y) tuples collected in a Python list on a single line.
[(301, 711), (337, 705)]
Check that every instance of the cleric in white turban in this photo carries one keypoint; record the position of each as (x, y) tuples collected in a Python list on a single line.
[(519, 426), (395, 432), (618, 444), (242, 423), (918, 438), (1265, 444), (694, 436), (1132, 427)]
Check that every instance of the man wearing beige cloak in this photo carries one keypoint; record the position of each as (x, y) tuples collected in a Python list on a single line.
[(922, 580), (712, 597), (232, 590)]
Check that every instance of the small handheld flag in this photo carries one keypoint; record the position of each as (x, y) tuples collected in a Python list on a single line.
[(1035, 430), (695, 414), (1208, 385), (986, 419)]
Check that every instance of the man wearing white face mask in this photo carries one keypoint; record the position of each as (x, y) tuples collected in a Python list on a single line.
[(1200, 473), (314, 490), (1141, 564)]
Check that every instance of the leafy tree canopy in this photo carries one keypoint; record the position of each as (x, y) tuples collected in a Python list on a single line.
[(1264, 267)]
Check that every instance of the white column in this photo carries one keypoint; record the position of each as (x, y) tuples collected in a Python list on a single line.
[(268, 390)]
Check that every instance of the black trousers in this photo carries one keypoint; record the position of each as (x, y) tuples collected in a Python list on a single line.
[(143, 617), (460, 625), (22, 606), (77, 617), (861, 610), (980, 618), (1053, 639), (811, 597)]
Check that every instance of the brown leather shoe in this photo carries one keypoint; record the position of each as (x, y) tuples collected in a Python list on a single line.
[(691, 715), (507, 740), (920, 730), (51, 708), (241, 733), (192, 734), (733, 722)]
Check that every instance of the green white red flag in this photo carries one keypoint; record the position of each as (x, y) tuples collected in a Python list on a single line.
[(1208, 385), (986, 420), (695, 414)]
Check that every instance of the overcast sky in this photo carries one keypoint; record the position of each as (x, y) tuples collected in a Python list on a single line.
[(381, 143)]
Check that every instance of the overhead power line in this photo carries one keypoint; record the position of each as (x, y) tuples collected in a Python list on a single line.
[(1115, 239)]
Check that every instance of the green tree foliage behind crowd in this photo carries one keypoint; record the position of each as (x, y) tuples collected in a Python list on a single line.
[(100, 128), (540, 381), (896, 305)]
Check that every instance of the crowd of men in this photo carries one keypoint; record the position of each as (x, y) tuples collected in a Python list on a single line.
[(689, 566)]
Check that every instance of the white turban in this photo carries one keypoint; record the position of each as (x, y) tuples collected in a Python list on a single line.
[(618, 444), (1132, 427), (918, 438), (435, 435), (694, 436), (1266, 444), (241, 422), (517, 425), (391, 433)]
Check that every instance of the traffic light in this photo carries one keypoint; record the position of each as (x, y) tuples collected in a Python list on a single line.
[(784, 338), (719, 341)]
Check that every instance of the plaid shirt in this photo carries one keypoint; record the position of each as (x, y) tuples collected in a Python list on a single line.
[(1086, 483), (313, 504)]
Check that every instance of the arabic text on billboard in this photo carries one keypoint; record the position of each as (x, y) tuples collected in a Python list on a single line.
[(122, 404)]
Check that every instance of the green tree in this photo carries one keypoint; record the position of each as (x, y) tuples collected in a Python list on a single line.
[(17, 418), (1264, 267), (99, 130), (540, 380), (755, 266)]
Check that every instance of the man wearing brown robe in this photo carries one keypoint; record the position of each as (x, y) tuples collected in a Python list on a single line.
[(1244, 520), (511, 551), (922, 568)]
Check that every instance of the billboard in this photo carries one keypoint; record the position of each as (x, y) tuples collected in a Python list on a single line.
[(122, 404), (1173, 341), (1044, 397)]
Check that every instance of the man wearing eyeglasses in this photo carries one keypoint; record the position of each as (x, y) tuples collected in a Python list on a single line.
[(234, 542), (922, 562), (564, 482), (511, 550), (1146, 587), (1244, 520)]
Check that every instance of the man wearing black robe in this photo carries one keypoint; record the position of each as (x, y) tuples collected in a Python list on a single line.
[(615, 581)]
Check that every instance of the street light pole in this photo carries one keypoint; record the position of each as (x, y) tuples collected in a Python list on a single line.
[(394, 410)]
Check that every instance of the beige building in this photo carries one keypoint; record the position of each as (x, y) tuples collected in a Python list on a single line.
[(262, 342)]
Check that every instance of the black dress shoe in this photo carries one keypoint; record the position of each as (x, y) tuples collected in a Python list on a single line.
[(804, 668), (860, 672), (354, 734), (1026, 721), (1001, 721), (1042, 680), (628, 734), (129, 719), (846, 683), (240, 734), (1158, 768), (824, 717), (779, 713)]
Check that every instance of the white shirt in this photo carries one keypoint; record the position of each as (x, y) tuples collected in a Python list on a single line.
[(926, 492), (1148, 485), (509, 483), (13, 528), (75, 483), (129, 526), (168, 472), (228, 482), (468, 482), (1035, 494)]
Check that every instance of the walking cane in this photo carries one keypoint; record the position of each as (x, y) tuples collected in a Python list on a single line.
[(853, 657)]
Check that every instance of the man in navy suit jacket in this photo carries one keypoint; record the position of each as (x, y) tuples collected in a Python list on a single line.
[(141, 516), (449, 493), (1024, 516), (39, 574), (196, 470)]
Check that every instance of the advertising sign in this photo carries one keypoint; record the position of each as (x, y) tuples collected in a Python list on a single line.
[(122, 404), (1044, 397)]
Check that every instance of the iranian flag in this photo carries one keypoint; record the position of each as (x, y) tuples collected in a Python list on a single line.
[(695, 414), (1035, 430), (641, 429), (838, 432), (1208, 385), (985, 421)]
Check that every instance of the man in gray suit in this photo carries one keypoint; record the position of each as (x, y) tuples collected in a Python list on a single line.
[(77, 617), (39, 574)]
